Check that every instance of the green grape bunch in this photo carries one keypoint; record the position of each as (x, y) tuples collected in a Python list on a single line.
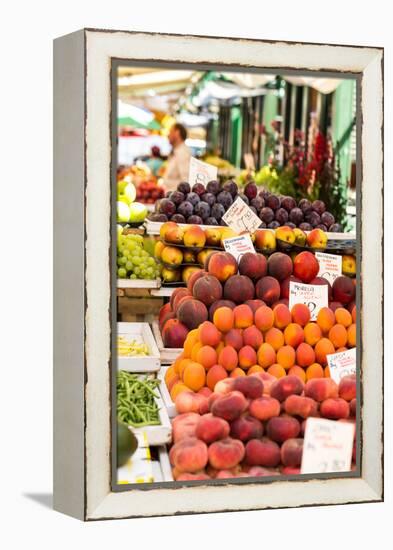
[(133, 261)]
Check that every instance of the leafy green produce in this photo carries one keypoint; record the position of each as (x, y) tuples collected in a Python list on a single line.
[(136, 405)]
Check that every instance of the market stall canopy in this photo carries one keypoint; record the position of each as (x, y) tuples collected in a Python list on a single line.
[(136, 117), (171, 90)]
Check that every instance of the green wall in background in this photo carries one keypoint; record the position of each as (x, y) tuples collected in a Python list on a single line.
[(342, 121)]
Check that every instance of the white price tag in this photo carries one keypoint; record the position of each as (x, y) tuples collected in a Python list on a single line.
[(330, 266), (237, 246), (327, 446), (314, 296), (241, 218), (342, 364), (201, 172)]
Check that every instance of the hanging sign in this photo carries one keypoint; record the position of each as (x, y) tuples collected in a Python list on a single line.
[(201, 172), (241, 218), (327, 446), (315, 297)]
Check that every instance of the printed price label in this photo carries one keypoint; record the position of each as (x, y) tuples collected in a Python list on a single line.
[(314, 296), (237, 246), (327, 446), (342, 364), (201, 172), (330, 266), (241, 218)]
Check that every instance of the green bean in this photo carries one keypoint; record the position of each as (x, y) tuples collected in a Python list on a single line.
[(136, 403)]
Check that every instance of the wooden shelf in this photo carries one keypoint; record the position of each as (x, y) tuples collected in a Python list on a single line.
[(138, 283)]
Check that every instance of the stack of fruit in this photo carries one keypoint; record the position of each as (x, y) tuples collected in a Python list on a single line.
[(253, 338), (182, 251), (254, 426), (148, 192), (255, 282), (128, 211), (207, 205), (133, 261)]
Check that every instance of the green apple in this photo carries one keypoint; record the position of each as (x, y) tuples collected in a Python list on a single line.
[(124, 198), (121, 185), (130, 192), (123, 212), (138, 212)]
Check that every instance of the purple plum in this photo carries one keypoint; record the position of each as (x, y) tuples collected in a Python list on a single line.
[(185, 209), (184, 187)]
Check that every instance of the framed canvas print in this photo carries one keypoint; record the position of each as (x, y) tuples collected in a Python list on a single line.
[(218, 274)]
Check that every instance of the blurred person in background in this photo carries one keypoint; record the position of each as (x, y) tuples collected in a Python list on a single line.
[(179, 160)]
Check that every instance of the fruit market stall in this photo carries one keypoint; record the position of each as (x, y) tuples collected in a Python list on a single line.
[(252, 336)]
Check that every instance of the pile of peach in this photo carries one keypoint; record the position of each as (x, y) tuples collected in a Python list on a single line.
[(279, 341), (253, 426)]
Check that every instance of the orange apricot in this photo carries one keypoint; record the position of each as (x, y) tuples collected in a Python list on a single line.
[(182, 365), (275, 338), (254, 369), (237, 372), (338, 336), (282, 316), (312, 333), (297, 371), (228, 358), (315, 370), (276, 370), (323, 348), (209, 334), (293, 335), (206, 356), (343, 317), (214, 375), (305, 355), (195, 349), (286, 356), (325, 319), (266, 355), (300, 314), (351, 330), (194, 376), (178, 388), (264, 318), (224, 319), (244, 316)]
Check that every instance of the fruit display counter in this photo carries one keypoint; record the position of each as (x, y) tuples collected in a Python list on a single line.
[(244, 364)]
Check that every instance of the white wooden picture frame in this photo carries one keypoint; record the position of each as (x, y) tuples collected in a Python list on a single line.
[(84, 296)]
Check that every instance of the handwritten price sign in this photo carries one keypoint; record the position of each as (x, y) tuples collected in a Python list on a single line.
[(330, 266), (201, 172), (342, 364), (315, 297), (327, 446), (237, 246), (241, 218)]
